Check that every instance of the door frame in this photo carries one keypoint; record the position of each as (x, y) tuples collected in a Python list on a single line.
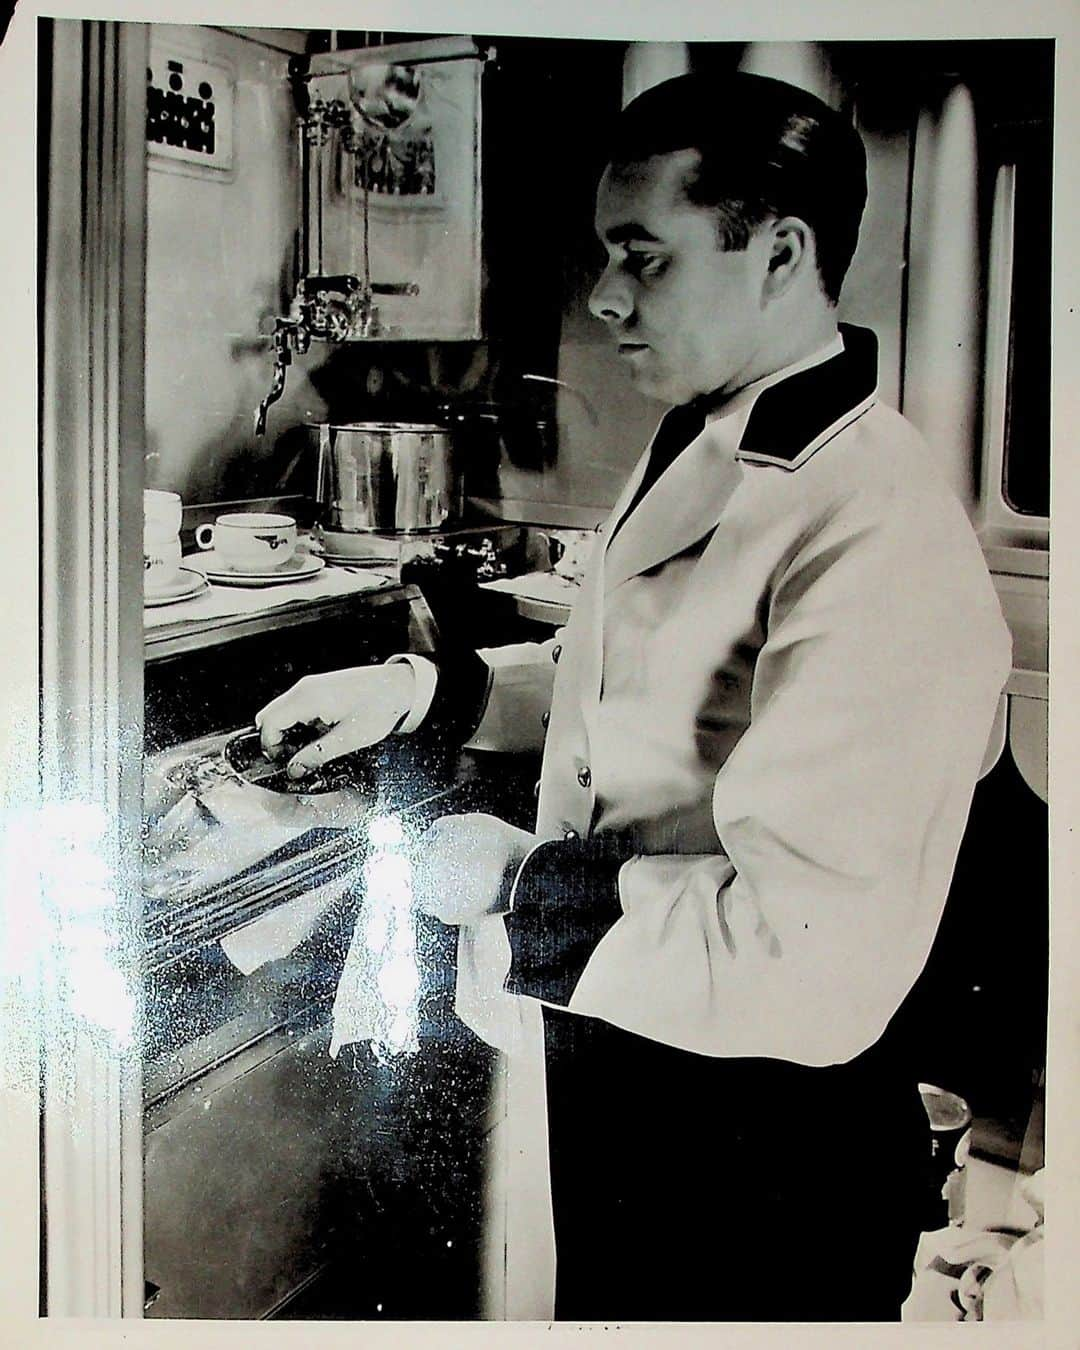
[(92, 306)]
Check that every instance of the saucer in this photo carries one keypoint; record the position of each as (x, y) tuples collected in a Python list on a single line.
[(298, 568), (189, 583)]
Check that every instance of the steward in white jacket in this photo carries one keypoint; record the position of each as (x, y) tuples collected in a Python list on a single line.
[(767, 715), (762, 727)]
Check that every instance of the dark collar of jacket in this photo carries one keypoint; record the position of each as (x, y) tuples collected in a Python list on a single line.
[(679, 491), (797, 415)]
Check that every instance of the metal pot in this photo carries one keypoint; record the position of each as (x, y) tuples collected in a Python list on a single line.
[(386, 477)]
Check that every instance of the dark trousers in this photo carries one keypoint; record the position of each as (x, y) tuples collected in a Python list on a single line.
[(689, 1188)]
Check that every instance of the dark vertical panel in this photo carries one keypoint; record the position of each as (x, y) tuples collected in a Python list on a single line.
[(1026, 483)]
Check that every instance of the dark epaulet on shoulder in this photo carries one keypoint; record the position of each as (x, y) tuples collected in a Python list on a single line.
[(793, 419)]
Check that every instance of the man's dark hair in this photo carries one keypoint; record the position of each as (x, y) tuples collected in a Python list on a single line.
[(767, 149)]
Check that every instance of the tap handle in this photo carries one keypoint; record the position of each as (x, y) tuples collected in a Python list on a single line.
[(286, 334)]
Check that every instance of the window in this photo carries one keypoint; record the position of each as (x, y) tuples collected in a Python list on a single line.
[(1026, 450)]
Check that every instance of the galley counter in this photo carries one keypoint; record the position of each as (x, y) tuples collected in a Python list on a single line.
[(280, 1181)]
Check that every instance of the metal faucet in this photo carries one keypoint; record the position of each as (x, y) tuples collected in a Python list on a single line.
[(288, 333), (337, 308), (331, 309)]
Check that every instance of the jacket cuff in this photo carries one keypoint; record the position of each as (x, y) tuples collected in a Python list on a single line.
[(455, 706), (564, 899), (426, 674)]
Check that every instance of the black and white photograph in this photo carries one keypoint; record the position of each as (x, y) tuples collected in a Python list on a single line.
[(553, 826)]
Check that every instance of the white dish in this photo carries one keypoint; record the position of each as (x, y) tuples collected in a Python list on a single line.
[(298, 568), (188, 584), (162, 511)]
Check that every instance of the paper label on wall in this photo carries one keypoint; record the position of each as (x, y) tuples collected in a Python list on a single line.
[(189, 110)]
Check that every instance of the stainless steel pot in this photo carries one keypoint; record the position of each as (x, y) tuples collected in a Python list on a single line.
[(386, 477)]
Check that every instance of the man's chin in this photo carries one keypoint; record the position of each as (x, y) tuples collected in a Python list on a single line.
[(650, 385)]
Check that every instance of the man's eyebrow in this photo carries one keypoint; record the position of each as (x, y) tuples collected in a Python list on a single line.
[(622, 234)]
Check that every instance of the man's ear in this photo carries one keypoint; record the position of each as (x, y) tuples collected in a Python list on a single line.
[(791, 252)]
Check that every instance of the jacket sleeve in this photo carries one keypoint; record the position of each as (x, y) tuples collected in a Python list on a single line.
[(839, 814), (492, 699), (518, 696)]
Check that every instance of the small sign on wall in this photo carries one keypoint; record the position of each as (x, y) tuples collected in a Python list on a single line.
[(189, 112)]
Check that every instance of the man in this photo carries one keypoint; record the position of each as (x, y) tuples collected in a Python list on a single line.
[(769, 710)]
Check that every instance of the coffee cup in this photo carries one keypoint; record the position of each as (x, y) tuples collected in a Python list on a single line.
[(250, 541), (161, 559), (162, 511)]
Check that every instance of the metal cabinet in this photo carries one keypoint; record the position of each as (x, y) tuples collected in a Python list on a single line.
[(277, 1181), (238, 1167)]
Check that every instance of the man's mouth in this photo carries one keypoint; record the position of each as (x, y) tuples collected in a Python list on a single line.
[(631, 348)]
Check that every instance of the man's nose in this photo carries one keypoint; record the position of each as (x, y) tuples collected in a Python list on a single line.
[(610, 299)]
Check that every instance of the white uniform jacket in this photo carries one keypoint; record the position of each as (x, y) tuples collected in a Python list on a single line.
[(768, 712)]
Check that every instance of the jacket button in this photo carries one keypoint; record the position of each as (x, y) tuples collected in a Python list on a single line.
[(556, 652), (584, 775), (570, 834), (545, 718)]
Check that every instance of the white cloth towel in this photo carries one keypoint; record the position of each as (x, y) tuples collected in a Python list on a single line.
[(276, 934), (503, 1020), (225, 602), (379, 988)]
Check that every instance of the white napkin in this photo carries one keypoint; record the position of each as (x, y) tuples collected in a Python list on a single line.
[(548, 587), (224, 602), (378, 995), (379, 988), (274, 935), (503, 1020), (210, 835)]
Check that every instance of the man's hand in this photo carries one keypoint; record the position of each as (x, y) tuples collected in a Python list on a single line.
[(351, 708), (466, 865)]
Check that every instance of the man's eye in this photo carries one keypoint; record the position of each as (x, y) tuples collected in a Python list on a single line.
[(645, 265)]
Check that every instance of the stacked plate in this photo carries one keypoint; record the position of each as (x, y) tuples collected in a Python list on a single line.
[(165, 580), (299, 567), (185, 586)]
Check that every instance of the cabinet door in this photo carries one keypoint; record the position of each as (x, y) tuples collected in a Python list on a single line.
[(238, 1181)]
